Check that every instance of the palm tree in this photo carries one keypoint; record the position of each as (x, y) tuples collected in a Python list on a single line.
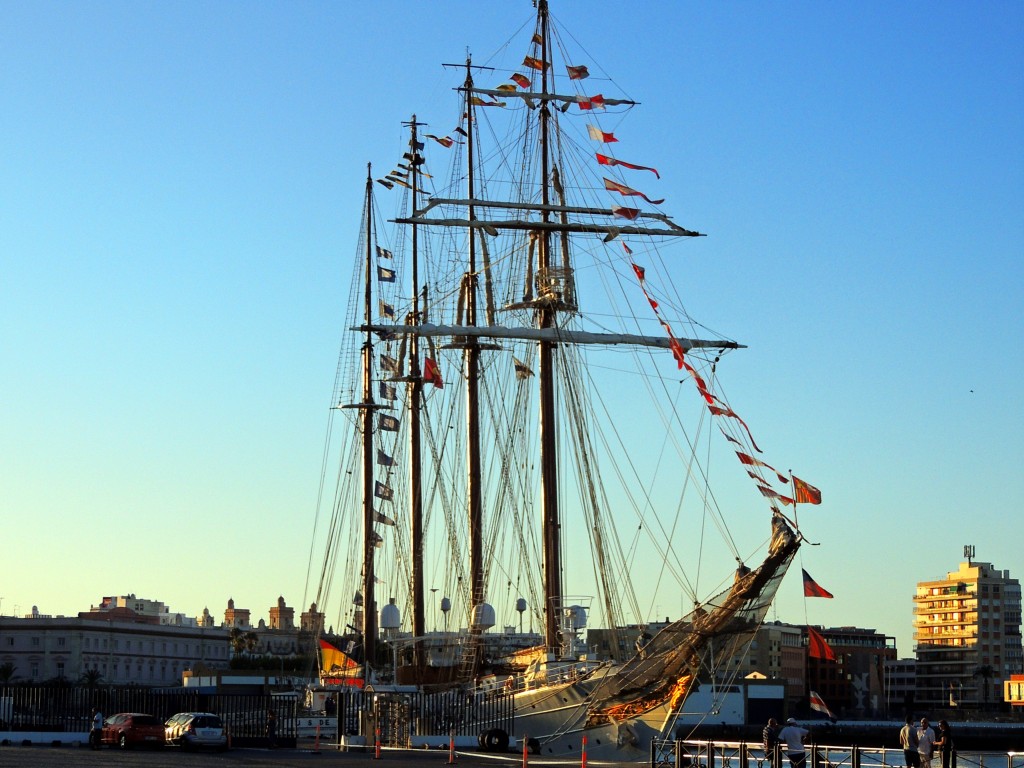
[(237, 640), (91, 678), (251, 641), (986, 672)]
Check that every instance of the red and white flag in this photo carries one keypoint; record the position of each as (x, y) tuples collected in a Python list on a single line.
[(605, 160), (818, 705), (598, 135), (622, 189)]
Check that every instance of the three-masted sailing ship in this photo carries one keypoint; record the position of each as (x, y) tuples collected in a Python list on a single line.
[(513, 328)]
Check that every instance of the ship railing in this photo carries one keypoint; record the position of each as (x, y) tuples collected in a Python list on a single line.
[(692, 753)]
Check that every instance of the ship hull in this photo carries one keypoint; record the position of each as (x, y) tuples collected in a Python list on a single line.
[(555, 721)]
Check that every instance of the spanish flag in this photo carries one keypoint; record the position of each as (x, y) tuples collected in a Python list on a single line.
[(336, 662)]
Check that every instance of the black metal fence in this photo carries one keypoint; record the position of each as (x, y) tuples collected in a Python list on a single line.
[(396, 716), (68, 709)]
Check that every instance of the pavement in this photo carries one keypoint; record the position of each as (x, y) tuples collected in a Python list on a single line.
[(83, 757)]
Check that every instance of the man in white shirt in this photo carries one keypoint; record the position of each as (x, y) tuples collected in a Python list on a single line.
[(925, 743), (794, 736), (96, 729)]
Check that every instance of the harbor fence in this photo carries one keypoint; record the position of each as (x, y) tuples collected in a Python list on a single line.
[(68, 709), (693, 753)]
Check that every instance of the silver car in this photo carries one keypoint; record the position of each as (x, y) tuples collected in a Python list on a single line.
[(191, 730)]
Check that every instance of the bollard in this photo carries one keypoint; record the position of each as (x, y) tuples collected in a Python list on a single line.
[(376, 744), (451, 748), (583, 762), (316, 742), (526, 749)]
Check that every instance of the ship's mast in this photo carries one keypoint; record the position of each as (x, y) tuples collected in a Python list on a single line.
[(546, 318), (367, 411), (415, 399), (471, 358)]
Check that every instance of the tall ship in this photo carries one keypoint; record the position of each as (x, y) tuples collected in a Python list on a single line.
[(530, 436)]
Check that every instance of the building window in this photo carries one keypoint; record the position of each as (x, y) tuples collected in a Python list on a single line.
[(35, 642), (34, 667), (60, 669), (60, 642)]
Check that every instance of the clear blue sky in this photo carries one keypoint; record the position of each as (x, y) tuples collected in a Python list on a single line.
[(179, 188)]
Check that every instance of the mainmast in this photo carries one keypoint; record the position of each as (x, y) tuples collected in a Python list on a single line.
[(415, 399), (367, 411), (546, 317)]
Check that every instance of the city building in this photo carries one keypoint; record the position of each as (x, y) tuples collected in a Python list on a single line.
[(1013, 691), (778, 652), (126, 640), (901, 681), (236, 617), (118, 650), (281, 616), (854, 685), (140, 609), (967, 635)]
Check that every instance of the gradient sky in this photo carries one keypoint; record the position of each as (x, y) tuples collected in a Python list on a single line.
[(179, 192)]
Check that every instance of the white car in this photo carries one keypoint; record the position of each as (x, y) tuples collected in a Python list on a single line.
[(196, 729)]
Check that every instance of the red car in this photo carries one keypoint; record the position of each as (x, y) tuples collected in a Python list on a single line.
[(131, 729)]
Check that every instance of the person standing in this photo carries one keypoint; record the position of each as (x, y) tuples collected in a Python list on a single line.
[(945, 744), (925, 743), (908, 740), (271, 729), (794, 736), (770, 740), (96, 728)]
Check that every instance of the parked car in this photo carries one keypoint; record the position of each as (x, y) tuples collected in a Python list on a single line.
[(132, 729), (196, 729)]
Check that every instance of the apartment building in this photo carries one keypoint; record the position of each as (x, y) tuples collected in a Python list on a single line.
[(967, 636)]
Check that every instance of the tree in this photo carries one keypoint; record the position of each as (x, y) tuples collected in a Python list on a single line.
[(7, 672), (237, 639), (986, 673), (251, 641), (91, 678)]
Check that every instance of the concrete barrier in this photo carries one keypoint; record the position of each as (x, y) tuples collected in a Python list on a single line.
[(36, 738)]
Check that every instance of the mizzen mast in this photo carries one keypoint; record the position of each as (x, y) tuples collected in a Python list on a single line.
[(367, 410)]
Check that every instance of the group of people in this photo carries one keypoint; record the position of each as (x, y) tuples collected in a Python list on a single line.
[(919, 744)]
